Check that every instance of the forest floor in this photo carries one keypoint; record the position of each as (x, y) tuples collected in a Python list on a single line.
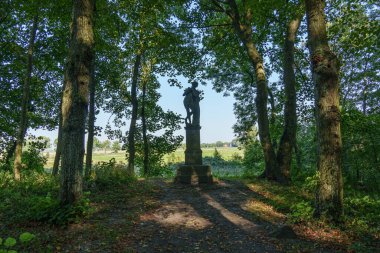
[(160, 216)]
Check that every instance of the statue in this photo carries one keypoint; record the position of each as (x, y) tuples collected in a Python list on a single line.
[(193, 171), (191, 103)]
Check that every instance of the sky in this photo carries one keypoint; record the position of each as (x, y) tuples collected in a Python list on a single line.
[(216, 113)]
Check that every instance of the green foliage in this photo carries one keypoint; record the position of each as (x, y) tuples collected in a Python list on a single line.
[(35, 198), (32, 158), (224, 168), (25, 239), (111, 173), (301, 211), (253, 159), (363, 213), (217, 155), (310, 184), (10, 242), (361, 150)]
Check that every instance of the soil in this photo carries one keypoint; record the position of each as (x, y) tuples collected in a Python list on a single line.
[(213, 218)]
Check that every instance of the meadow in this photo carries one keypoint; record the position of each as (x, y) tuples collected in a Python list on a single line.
[(227, 154)]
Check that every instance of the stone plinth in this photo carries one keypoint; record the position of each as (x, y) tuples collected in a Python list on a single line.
[(193, 153), (194, 174)]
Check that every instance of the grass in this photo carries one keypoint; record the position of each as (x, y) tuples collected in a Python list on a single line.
[(178, 156)]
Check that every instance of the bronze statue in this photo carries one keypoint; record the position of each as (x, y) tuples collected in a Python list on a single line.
[(191, 103)]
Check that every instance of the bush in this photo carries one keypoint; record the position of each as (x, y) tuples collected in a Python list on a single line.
[(301, 211), (253, 160), (32, 157), (8, 245), (111, 173), (35, 198), (362, 213)]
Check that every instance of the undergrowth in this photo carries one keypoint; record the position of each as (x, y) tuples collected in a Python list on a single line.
[(361, 212)]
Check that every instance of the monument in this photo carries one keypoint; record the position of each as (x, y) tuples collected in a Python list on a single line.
[(193, 172)]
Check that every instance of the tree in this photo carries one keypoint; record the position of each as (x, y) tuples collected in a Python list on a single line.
[(75, 100), (25, 101), (116, 146), (288, 138), (243, 16), (325, 71), (46, 71), (106, 144), (97, 144)]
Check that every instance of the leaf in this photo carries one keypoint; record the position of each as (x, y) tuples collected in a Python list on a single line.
[(10, 242), (26, 237), (1, 240)]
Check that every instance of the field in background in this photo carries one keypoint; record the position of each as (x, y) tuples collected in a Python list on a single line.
[(178, 156)]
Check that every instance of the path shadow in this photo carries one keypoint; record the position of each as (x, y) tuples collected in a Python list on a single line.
[(210, 219)]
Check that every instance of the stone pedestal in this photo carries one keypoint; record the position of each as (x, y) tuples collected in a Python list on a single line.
[(194, 174), (193, 153)]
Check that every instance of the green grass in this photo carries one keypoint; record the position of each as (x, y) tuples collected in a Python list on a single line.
[(175, 157)]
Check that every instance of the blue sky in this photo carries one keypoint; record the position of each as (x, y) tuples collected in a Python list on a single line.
[(216, 117)]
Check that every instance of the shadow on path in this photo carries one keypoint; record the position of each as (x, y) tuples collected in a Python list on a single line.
[(212, 218)]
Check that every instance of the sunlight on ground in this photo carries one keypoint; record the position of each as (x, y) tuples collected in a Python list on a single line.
[(263, 211), (237, 220), (178, 214)]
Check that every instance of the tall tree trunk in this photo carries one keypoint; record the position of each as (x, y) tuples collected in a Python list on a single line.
[(58, 151), (25, 102), (288, 138), (144, 129), (132, 127), (75, 100), (244, 31), (325, 71), (91, 127)]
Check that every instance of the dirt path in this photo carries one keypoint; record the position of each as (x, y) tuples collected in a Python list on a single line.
[(211, 219)]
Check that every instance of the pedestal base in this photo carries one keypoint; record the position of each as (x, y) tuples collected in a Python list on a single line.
[(194, 174)]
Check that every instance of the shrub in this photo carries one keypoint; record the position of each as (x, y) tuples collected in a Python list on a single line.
[(35, 198), (253, 160), (8, 245), (111, 173), (301, 211)]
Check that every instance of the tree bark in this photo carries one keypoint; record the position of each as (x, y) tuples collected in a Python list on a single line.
[(25, 102), (325, 71), (144, 129), (75, 100), (58, 151), (132, 127), (288, 138), (244, 31), (91, 127)]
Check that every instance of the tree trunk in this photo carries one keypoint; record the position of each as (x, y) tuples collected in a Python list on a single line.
[(25, 102), (144, 129), (91, 127), (132, 127), (75, 100), (244, 32), (58, 151), (288, 138), (325, 71)]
